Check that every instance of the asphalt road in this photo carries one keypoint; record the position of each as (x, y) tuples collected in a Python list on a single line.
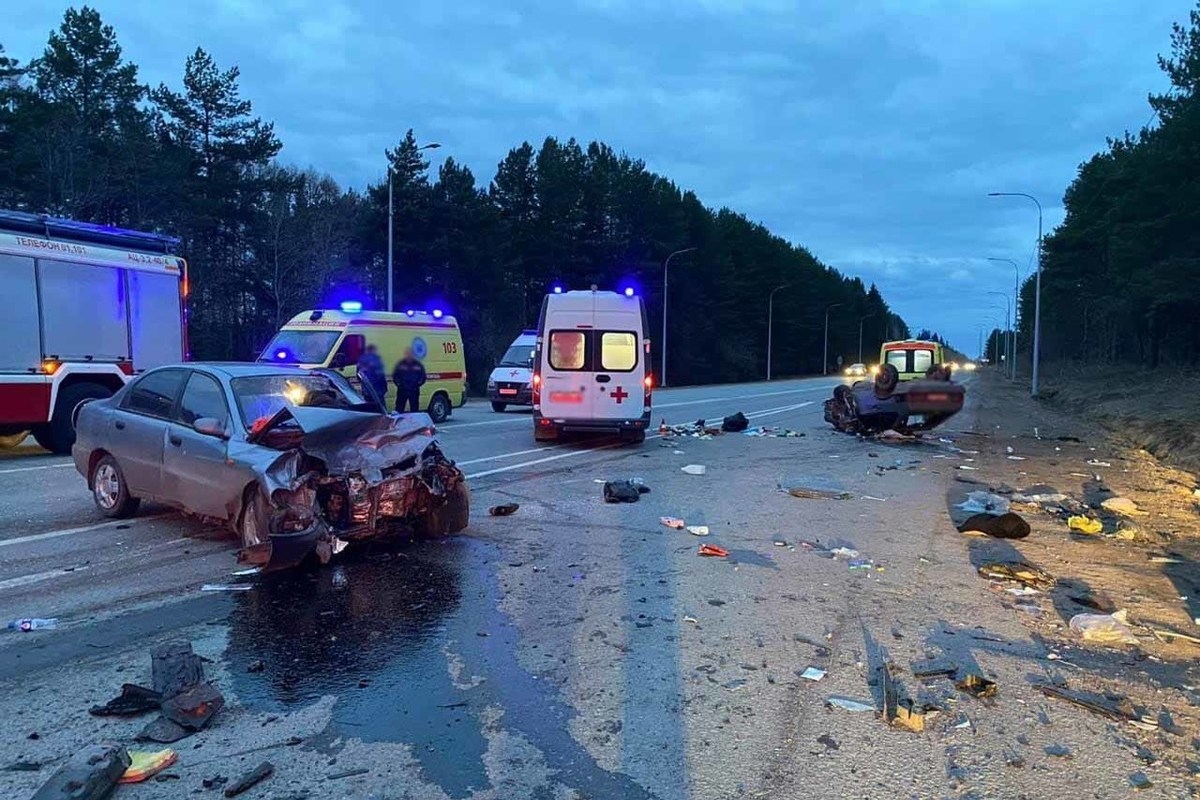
[(577, 649), (60, 558)]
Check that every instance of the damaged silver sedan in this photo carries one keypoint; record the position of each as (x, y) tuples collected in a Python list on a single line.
[(296, 461)]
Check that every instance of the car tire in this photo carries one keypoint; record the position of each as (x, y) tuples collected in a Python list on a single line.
[(439, 407), (250, 529), (886, 381), (110, 492), (499, 407), (58, 435), (451, 517), (633, 436)]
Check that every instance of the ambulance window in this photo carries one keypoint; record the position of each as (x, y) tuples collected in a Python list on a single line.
[(898, 359), (155, 393), (922, 360), (350, 351), (618, 351), (568, 350), (202, 398)]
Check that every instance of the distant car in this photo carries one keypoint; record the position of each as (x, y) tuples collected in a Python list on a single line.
[(856, 371), (887, 403), (294, 459), (912, 358), (511, 382)]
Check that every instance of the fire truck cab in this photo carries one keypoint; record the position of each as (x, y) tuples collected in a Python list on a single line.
[(88, 307)]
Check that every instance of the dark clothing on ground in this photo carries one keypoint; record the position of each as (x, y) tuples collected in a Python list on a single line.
[(409, 377), (370, 371)]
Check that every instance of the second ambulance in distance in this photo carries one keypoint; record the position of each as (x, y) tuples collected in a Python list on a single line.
[(591, 366), (337, 339)]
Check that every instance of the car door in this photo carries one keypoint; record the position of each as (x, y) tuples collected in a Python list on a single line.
[(140, 429), (618, 361), (195, 473)]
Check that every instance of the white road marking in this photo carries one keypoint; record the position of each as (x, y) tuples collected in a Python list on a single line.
[(753, 415), (503, 456), (38, 537), (32, 469), (724, 398), (37, 577)]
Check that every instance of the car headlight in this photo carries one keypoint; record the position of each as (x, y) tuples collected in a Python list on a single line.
[(875, 369), (491, 384)]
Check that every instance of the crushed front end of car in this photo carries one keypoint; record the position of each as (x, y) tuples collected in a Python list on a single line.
[(348, 476), (886, 404)]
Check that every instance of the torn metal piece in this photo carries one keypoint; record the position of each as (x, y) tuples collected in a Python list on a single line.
[(900, 710), (89, 774), (1119, 710), (132, 700), (976, 685)]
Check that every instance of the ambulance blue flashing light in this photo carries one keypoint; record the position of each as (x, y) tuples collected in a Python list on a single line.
[(281, 355), (410, 312), (351, 306), (558, 289), (437, 313), (629, 291)]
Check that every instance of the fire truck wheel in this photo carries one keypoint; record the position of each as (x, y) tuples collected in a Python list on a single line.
[(110, 491), (58, 434)]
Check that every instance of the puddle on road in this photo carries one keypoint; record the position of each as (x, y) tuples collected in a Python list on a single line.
[(374, 631)]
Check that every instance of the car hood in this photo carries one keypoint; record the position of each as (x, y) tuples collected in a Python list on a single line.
[(346, 442), (511, 375)]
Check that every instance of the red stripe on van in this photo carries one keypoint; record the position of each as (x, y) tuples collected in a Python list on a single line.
[(444, 376)]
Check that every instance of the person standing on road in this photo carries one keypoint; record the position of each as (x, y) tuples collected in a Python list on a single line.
[(370, 370), (409, 377)]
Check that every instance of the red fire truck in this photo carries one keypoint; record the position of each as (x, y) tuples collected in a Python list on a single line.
[(89, 307)]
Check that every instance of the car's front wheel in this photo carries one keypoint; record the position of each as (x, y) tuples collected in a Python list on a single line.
[(110, 491), (250, 527), (451, 517)]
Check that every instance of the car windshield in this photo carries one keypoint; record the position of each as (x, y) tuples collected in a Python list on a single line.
[(519, 355), (300, 347), (261, 396)]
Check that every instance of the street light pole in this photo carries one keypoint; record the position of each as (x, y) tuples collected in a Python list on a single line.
[(861, 320), (1016, 310), (770, 322), (1037, 293), (662, 377), (825, 354), (1007, 325), (430, 146)]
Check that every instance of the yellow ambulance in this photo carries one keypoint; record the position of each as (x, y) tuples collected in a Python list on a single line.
[(336, 339)]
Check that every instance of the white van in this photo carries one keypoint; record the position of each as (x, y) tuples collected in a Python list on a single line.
[(591, 366), (511, 382)]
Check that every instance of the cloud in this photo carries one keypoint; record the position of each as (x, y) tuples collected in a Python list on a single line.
[(869, 131)]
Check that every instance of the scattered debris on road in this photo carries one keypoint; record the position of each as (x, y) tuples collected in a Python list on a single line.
[(812, 674), (1004, 526), (735, 423), (698, 530), (1104, 628), (89, 774), (712, 550), (226, 587), (621, 492), (976, 685), (984, 503), (810, 488), (1118, 709), (673, 522), (693, 469), (1086, 525), (32, 624), (503, 510), (1122, 505), (132, 700), (250, 779), (144, 765), (1018, 572), (849, 704), (900, 710)]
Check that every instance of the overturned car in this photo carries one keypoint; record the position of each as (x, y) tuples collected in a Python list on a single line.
[(907, 407), (295, 460)]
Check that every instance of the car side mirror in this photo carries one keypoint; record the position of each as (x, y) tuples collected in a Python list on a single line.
[(208, 426)]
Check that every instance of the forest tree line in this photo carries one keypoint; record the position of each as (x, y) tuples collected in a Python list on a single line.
[(1121, 275), (82, 137)]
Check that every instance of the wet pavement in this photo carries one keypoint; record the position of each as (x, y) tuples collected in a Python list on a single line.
[(411, 642)]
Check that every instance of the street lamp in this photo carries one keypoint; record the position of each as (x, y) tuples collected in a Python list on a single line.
[(1007, 324), (430, 146), (1016, 308), (1037, 295), (860, 331), (770, 321), (662, 378), (825, 354)]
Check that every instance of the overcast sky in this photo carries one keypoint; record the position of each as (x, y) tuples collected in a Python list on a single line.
[(869, 132)]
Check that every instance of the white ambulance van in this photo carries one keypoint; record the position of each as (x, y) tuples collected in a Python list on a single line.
[(511, 382), (592, 366)]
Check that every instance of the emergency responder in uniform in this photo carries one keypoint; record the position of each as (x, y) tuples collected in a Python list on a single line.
[(370, 371), (409, 377)]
